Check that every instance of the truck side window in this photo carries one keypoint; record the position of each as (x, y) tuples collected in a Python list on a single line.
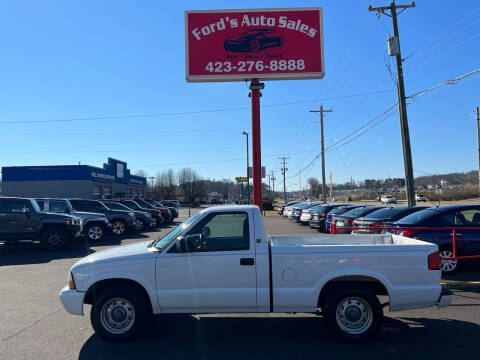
[(9, 206), (58, 207), (220, 232)]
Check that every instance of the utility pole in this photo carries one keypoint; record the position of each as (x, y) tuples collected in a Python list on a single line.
[(284, 170), (394, 50), (272, 177), (478, 136), (321, 111), (300, 182)]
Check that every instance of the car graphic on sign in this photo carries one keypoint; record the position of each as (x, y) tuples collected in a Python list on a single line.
[(253, 41)]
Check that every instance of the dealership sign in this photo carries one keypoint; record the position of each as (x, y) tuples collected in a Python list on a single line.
[(270, 44)]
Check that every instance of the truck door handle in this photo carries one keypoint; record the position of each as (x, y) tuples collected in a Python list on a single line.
[(247, 261)]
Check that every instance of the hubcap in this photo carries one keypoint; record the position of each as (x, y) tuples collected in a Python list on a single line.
[(54, 239), (95, 233), (447, 265), (138, 224), (118, 228), (354, 315), (154, 222), (117, 315)]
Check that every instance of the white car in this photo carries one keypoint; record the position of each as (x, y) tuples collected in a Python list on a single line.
[(221, 261), (388, 199), (420, 198)]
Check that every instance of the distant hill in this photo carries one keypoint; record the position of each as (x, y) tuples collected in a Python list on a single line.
[(460, 178)]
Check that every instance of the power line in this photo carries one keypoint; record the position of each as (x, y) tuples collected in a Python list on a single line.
[(184, 113)]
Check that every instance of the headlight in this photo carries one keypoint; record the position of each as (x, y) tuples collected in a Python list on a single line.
[(148, 215), (71, 282), (131, 214)]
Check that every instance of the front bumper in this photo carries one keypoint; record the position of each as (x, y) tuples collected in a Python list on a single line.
[(72, 300), (445, 298)]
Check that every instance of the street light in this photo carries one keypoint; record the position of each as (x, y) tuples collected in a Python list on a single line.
[(151, 180), (248, 165)]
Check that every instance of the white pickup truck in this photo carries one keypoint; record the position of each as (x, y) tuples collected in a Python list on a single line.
[(221, 261)]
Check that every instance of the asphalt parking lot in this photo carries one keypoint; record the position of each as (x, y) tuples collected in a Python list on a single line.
[(34, 325)]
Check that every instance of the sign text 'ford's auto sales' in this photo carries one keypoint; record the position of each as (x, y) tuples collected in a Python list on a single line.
[(232, 45)]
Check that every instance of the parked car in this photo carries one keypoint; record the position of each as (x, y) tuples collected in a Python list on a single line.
[(345, 220), (319, 215), (199, 267), (173, 209), (158, 219), (166, 213), (282, 207), (22, 221), (173, 203), (337, 211), (297, 210), (462, 216), (142, 218), (94, 225), (382, 218), (121, 220), (388, 199), (216, 201), (420, 198)]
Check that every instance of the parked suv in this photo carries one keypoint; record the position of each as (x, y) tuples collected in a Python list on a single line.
[(142, 218), (166, 213), (21, 220), (94, 225), (156, 214), (121, 220), (173, 210)]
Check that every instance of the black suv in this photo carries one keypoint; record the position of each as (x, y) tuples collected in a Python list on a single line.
[(156, 214), (121, 220), (142, 218), (22, 221)]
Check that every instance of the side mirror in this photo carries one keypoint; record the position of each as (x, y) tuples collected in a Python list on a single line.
[(180, 243), (206, 231)]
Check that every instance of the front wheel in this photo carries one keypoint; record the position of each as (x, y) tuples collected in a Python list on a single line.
[(139, 224), (353, 314), (54, 238), (118, 314), (119, 227), (94, 232)]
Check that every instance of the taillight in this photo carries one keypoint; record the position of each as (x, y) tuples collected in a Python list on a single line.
[(434, 261), (407, 233), (324, 215), (349, 221)]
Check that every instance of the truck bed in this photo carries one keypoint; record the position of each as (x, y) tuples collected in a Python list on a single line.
[(346, 243)]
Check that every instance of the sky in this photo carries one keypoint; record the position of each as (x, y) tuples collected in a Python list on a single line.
[(118, 67)]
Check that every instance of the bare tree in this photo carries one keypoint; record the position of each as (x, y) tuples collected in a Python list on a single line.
[(191, 185), (142, 173), (314, 187), (165, 184)]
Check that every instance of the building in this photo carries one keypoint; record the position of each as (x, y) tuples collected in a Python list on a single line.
[(113, 180)]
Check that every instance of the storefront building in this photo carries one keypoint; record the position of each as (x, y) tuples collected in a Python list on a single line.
[(73, 181)]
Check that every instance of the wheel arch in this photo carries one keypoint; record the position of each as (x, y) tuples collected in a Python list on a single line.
[(118, 283), (376, 283)]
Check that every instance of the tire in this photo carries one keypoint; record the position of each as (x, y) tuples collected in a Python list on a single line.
[(254, 46), (54, 238), (342, 309), (119, 227), (118, 315), (139, 224), (448, 266), (94, 232)]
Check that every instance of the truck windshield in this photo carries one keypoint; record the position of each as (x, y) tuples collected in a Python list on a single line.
[(162, 242)]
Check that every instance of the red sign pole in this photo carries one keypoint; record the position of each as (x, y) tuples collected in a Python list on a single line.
[(255, 87)]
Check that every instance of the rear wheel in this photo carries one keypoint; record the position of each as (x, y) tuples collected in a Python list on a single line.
[(353, 314), (54, 238), (118, 314), (446, 265)]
